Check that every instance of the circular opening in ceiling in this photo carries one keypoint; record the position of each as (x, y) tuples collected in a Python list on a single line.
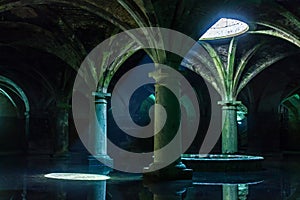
[(225, 28)]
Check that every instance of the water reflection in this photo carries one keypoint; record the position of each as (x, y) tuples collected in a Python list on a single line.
[(98, 191), (179, 190), (27, 182), (174, 190)]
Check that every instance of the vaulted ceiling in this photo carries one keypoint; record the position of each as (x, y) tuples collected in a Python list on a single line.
[(43, 42)]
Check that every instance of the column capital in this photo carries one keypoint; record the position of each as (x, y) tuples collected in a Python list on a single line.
[(164, 77), (229, 103), (26, 114), (159, 75), (101, 95)]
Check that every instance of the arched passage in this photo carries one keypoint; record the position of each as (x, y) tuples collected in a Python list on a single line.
[(290, 122), (266, 132), (14, 114)]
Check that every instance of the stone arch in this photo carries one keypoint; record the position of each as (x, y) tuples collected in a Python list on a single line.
[(289, 109), (9, 86)]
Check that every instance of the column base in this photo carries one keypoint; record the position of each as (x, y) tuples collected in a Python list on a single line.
[(176, 171), (101, 164)]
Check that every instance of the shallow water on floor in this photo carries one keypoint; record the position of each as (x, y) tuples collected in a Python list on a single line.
[(23, 178)]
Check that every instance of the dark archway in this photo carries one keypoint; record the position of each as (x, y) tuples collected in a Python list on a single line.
[(14, 116)]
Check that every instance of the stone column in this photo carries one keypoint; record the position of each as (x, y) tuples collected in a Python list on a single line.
[(235, 191), (243, 191), (98, 136), (168, 100), (26, 129), (230, 192), (61, 143), (229, 129), (26, 116)]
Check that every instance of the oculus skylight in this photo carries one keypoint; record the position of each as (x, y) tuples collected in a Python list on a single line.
[(225, 28)]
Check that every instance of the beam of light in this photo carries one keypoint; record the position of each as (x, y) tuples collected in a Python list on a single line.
[(77, 176)]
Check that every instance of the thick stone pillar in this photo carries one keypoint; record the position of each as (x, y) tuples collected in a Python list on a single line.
[(235, 191), (243, 191), (230, 192), (61, 143), (98, 136), (165, 98), (229, 129)]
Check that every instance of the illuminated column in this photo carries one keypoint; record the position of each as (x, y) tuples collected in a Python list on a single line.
[(243, 191), (62, 129), (230, 192), (229, 129), (235, 191), (98, 135), (166, 98)]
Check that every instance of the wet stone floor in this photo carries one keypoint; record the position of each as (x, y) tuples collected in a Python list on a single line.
[(23, 178)]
